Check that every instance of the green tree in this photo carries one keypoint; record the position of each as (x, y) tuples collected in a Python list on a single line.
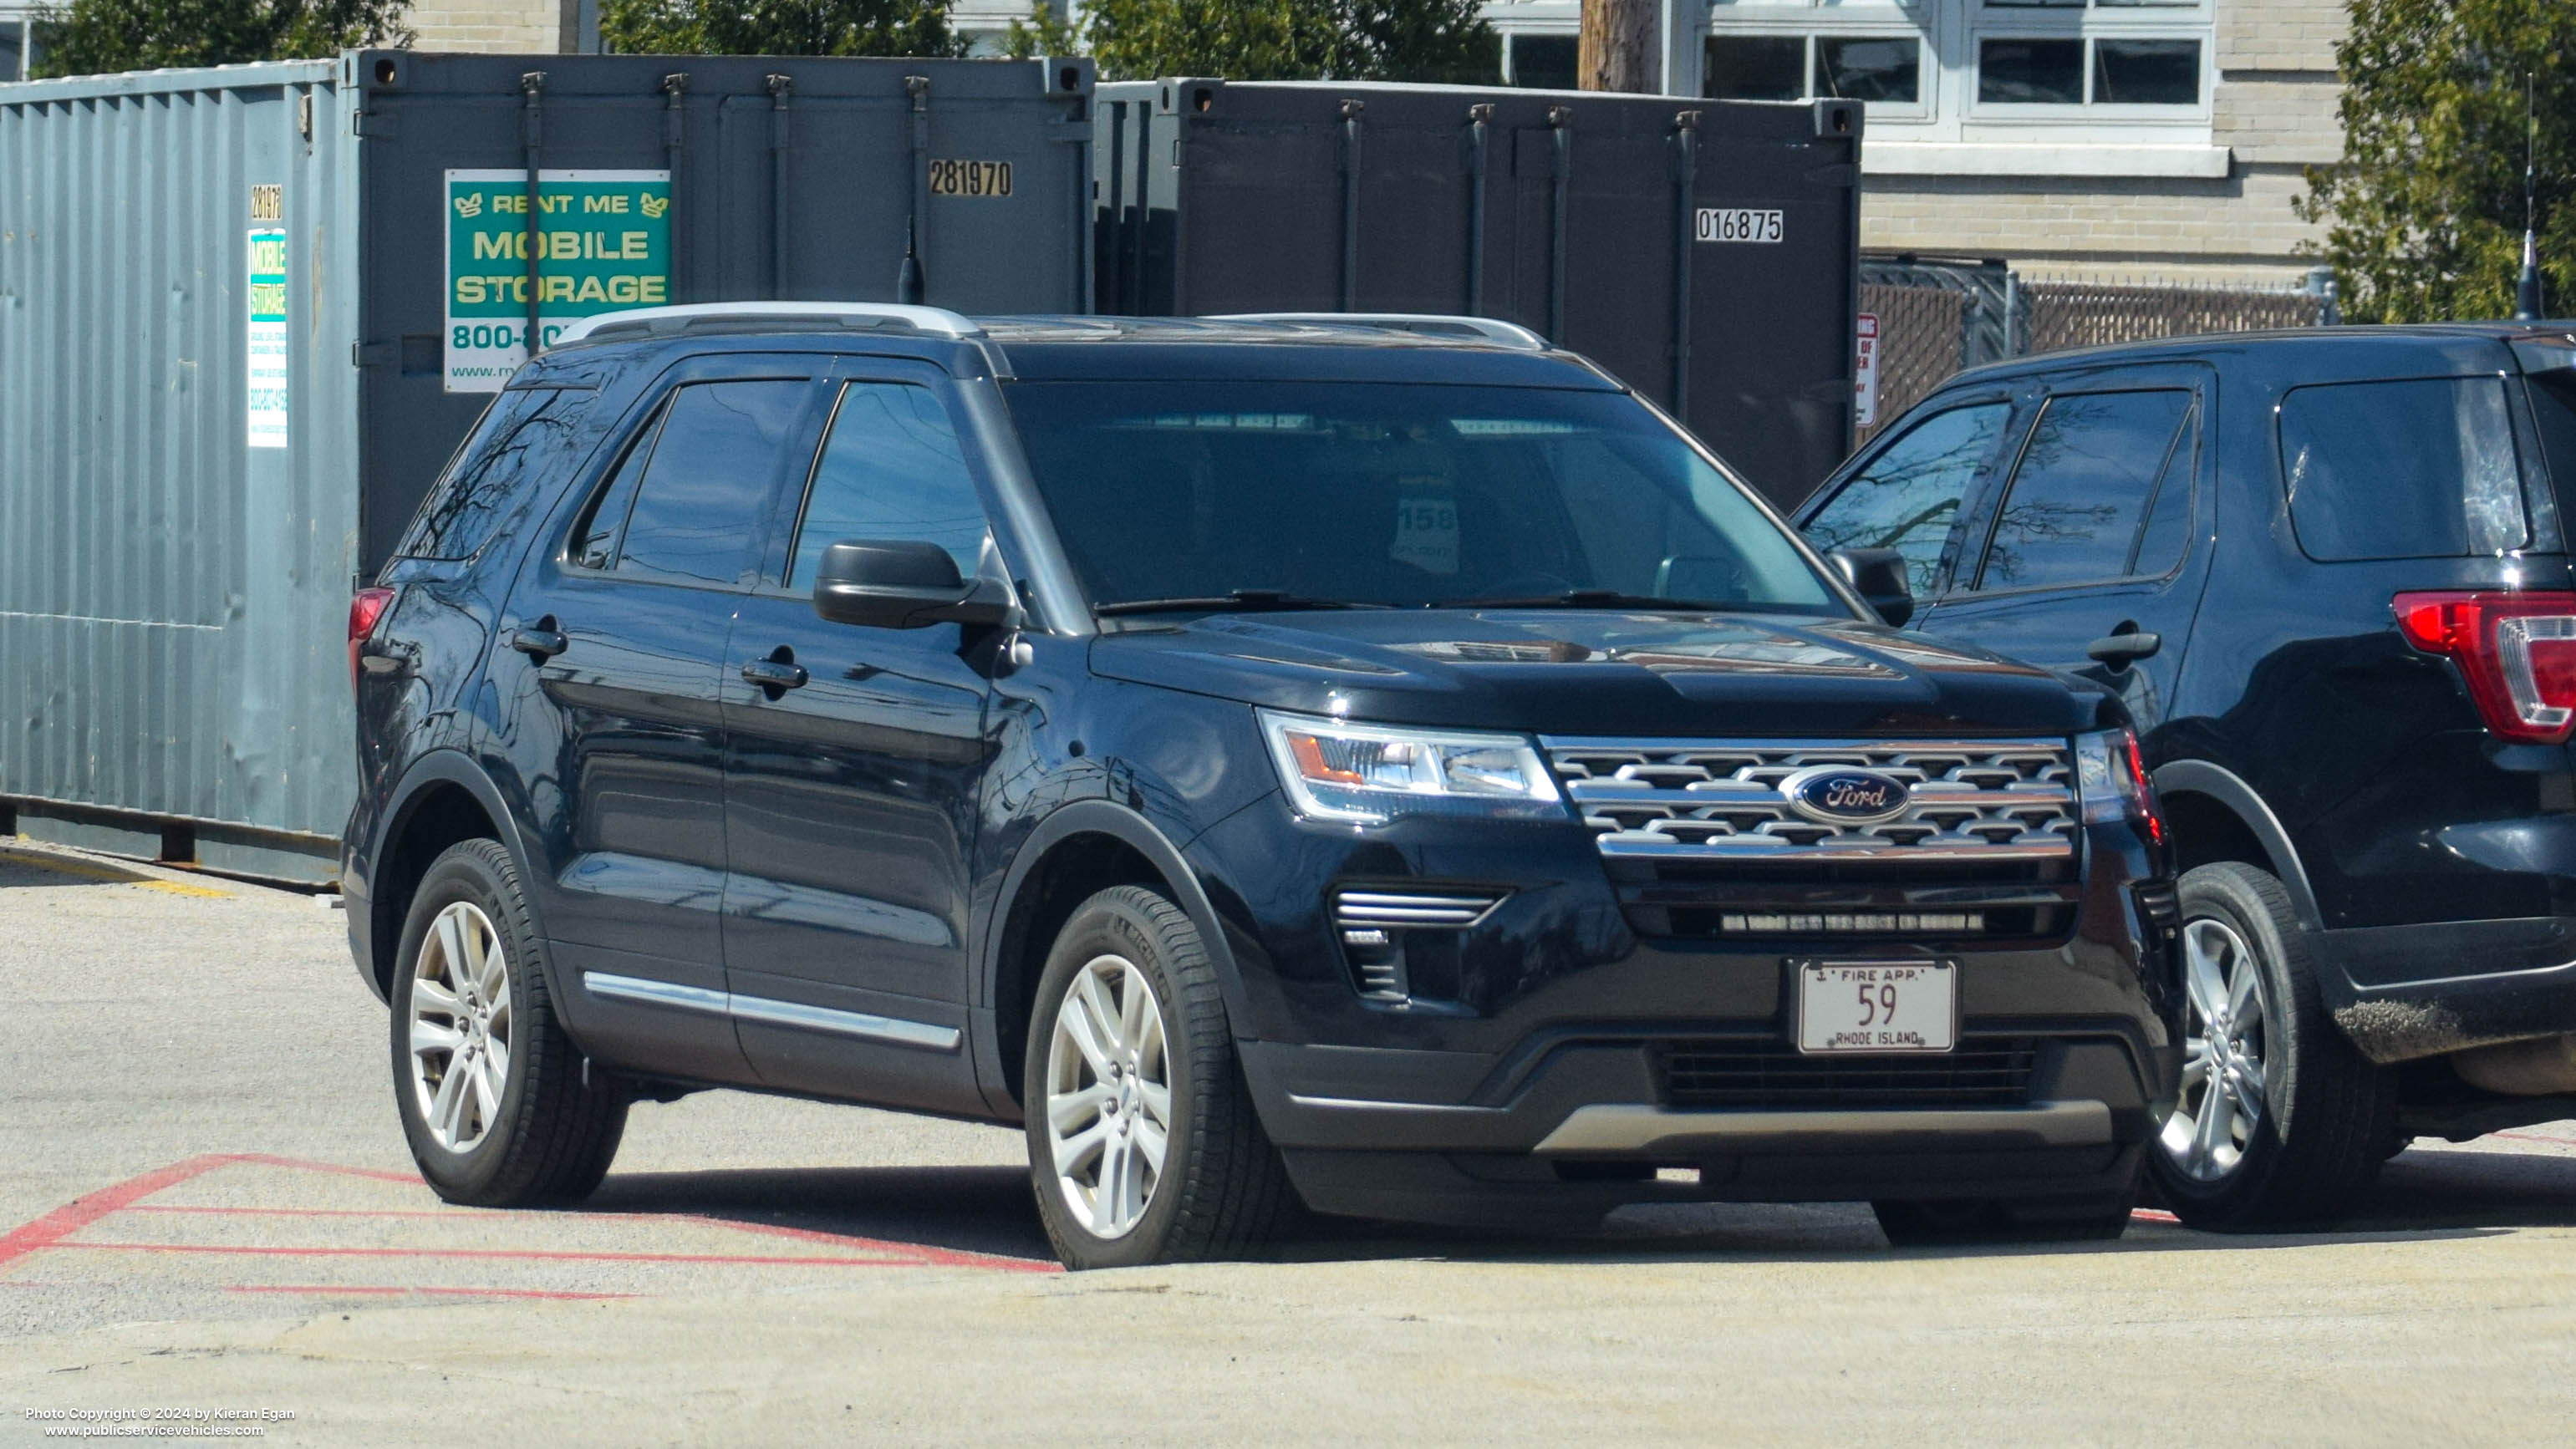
[(1398, 40), (94, 37), (779, 27), (2426, 207)]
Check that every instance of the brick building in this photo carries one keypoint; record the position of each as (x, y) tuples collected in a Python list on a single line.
[(2155, 138), (2077, 137)]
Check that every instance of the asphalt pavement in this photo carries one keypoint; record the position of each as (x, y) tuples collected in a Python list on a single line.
[(206, 1209)]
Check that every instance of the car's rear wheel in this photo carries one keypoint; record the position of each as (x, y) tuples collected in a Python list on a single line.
[(491, 1092), (1143, 1144), (2280, 1120)]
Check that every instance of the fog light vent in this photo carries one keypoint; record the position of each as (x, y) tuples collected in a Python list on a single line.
[(1355, 910), (1403, 944)]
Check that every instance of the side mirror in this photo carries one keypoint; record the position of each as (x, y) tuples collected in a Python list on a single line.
[(1878, 576), (902, 584)]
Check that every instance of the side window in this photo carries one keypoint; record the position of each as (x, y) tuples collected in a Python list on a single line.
[(2167, 534), (525, 433), (2073, 511), (891, 469), (1908, 496), (2380, 470), (594, 539), (699, 501)]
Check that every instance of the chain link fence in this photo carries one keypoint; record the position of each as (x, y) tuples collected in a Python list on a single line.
[(1936, 317)]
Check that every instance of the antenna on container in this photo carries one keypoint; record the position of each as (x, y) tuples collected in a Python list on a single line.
[(2526, 292)]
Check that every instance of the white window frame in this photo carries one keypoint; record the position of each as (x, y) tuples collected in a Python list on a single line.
[(1815, 20), (2085, 121), (1951, 32)]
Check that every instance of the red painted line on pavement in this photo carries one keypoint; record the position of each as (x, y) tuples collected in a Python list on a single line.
[(325, 1290), (2536, 1137), (54, 1229), (918, 1252), (2152, 1215), (525, 1254), (80, 1212), (262, 1159)]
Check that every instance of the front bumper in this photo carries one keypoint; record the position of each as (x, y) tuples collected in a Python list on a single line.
[(1587, 1125)]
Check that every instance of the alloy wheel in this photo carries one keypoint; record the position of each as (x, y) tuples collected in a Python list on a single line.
[(2224, 1091), (1108, 1096), (460, 1027)]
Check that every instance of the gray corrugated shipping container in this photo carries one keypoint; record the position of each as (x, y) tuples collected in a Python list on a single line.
[(1706, 252), (246, 313)]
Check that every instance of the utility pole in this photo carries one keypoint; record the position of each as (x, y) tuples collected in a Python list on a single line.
[(1621, 48), (2526, 292)]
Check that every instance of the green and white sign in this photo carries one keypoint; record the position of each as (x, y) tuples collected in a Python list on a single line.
[(265, 357), (603, 242)]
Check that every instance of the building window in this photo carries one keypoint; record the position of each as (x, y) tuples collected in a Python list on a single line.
[(1542, 62), (2048, 71), (13, 49), (1883, 68)]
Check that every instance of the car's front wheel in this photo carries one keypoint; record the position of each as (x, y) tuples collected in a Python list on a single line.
[(492, 1094), (1143, 1144), (2280, 1119)]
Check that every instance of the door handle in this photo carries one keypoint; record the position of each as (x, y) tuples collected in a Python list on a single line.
[(541, 643), (2121, 650), (775, 675)]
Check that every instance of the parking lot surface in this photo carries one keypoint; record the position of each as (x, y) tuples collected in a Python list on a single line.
[(206, 1205)]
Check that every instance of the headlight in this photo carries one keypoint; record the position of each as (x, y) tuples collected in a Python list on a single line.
[(2111, 781), (1369, 774)]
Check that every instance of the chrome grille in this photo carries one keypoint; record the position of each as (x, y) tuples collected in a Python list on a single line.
[(1986, 800)]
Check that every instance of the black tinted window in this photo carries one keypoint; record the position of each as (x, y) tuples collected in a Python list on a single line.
[(2402, 469), (1908, 496), (525, 435), (2083, 486), (697, 510), (594, 538), (891, 469), (1403, 494)]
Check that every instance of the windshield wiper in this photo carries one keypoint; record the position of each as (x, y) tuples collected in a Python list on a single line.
[(1588, 599), (1239, 601)]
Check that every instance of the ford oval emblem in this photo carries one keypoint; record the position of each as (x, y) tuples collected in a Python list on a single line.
[(1846, 795)]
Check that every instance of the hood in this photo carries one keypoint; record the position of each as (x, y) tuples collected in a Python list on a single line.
[(1604, 672)]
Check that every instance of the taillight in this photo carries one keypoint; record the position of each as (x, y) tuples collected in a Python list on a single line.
[(2516, 652), (366, 606)]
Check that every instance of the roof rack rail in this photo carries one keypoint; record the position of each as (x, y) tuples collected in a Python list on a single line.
[(671, 321), (1509, 334)]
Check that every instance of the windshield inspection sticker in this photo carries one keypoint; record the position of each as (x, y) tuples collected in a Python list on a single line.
[(1739, 224), (1426, 528), (265, 355), (603, 245)]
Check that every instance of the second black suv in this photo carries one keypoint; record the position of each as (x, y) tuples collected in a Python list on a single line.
[(2328, 571), (1384, 766)]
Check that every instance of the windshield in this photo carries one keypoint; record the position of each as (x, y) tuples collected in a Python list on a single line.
[(1404, 495)]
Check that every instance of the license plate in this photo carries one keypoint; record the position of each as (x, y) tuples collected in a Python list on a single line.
[(1877, 1007)]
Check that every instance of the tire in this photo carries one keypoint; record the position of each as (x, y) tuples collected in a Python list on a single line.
[(1954, 1223), (2306, 1142), (544, 1137), (1165, 1072)]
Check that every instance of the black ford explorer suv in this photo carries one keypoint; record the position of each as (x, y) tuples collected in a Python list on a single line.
[(2328, 571), (1382, 768)]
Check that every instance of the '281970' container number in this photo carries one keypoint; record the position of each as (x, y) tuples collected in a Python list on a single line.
[(970, 178)]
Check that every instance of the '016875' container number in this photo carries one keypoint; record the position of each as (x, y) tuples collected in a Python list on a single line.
[(1740, 224)]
